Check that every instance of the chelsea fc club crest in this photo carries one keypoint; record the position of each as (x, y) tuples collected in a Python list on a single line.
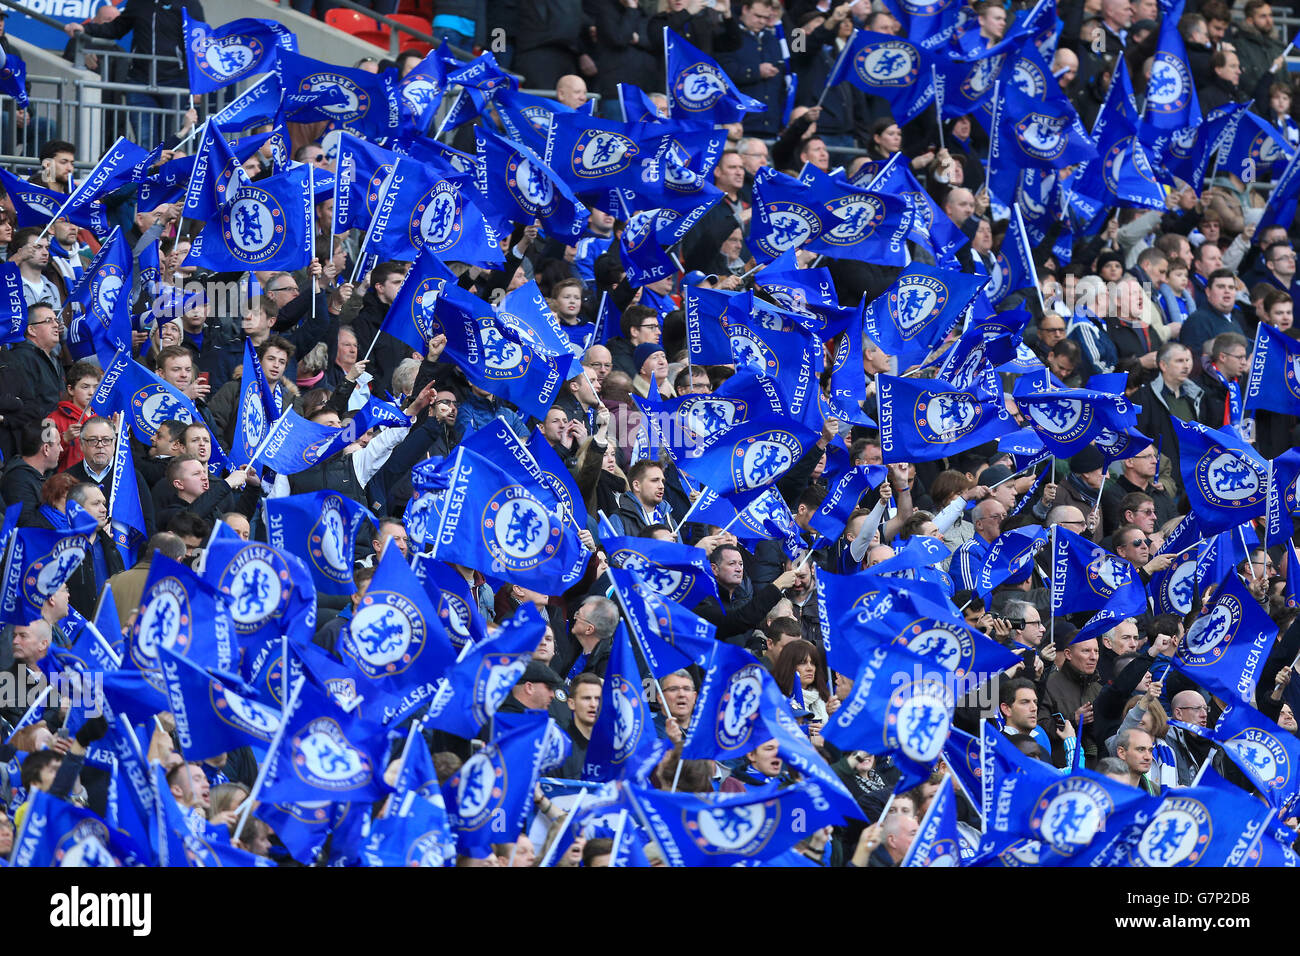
[(422, 301), (502, 358), (790, 225), (108, 286), (761, 459), (518, 531), (949, 646), (436, 221), (155, 404), (49, 573), (387, 634), (328, 545), (223, 59), (244, 714), (1262, 756), (86, 844), (1226, 480), (1177, 835), (1042, 136), (599, 153), (165, 622), (417, 94), (943, 417), (738, 708), (258, 583), (530, 186), (671, 584), (324, 758), (479, 786), (1170, 85), (918, 719), (860, 216), (1070, 813), (699, 86), (497, 675), (253, 418), (456, 617), (253, 226), (739, 830), (1211, 634), (1066, 419), (1107, 573), (916, 303), (356, 101), (628, 722), (890, 63)]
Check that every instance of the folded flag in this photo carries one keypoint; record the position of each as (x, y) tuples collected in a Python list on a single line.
[(480, 681), (346, 98), (489, 797), (211, 718)]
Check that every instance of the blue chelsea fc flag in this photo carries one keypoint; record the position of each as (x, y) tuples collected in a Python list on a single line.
[(234, 51), (261, 226)]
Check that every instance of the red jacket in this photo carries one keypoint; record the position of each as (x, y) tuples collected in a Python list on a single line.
[(65, 415)]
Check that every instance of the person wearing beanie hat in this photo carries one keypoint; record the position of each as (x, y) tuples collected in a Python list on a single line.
[(1082, 487), (1005, 490), (1110, 266), (651, 371)]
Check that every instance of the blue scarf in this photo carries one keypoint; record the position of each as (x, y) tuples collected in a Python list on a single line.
[(57, 519)]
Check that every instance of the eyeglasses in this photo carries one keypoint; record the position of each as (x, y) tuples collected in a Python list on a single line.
[(599, 365), (106, 440), (648, 325), (319, 159), (1240, 356), (32, 325), (447, 401), (1140, 542), (1199, 708), (681, 689), (283, 288)]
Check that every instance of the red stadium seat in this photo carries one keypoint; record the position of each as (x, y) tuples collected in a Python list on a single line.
[(415, 23), (358, 25)]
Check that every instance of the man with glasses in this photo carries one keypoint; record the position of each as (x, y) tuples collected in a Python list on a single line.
[(1051, 329), (37, 376), (1139, 475), (1190, 750), (98, 443), (640, 324), (673, 719), (967, 560), (591, 637), (1223, 380)]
